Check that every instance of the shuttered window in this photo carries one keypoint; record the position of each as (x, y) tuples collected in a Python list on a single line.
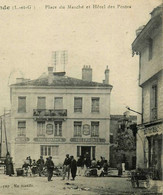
[(40, 128), (21, 128), (150, 49), (41, 103), (94, 129), (77, 129), (95, 104), (154, 99), (58, 128), (58, 103), (77, 104), (21, 104)]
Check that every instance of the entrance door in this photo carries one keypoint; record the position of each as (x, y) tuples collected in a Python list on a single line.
[(86, 151)]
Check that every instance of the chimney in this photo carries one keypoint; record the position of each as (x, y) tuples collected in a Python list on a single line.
[(87, 73), (107, 75), (19, 80), (50, 75)]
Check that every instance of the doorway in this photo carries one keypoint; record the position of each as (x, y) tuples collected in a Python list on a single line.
[(86, 151)]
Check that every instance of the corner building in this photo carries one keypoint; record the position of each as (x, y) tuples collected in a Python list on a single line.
[(148, 45), (56, 114)]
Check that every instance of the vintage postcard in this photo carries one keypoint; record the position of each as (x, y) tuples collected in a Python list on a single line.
[(81, 99)]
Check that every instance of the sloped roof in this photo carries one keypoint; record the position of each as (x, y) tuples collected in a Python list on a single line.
[(61, 81)]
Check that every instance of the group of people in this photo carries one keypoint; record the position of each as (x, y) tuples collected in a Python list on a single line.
[(32, 167), (70, 165), (83, 164)]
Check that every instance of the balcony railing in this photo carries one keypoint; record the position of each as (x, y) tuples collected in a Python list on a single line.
[(49, 113)]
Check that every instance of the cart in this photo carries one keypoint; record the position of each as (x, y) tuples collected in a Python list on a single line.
[(140, 177)]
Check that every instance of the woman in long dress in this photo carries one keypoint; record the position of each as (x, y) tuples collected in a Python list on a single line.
[(9, 165)]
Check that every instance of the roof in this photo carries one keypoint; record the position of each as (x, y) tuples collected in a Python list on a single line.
[(153, 24), (61, 81)]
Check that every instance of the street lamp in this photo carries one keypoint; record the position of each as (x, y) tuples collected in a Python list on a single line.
[(133, 110)]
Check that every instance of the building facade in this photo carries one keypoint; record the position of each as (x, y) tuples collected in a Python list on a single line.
[(55, 115), (148, 45)]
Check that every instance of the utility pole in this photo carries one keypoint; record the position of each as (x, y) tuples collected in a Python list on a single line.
[(1, 138), (4, 123)]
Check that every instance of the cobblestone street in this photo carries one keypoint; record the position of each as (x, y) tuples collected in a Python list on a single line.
[(82, 185)]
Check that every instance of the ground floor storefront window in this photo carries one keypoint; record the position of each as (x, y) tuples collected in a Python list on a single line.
[(154, 155), (49, 150)]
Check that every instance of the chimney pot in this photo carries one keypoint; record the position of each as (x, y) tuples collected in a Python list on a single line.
[(107, 75), (87, 73), (19, 80), (50, 75)]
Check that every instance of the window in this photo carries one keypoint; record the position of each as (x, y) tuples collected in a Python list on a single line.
[(58, 103), (111, 138), (40, 128), (58, 128), (94, 129), (47, 150), (154, 102), (41, 103), (77, 129), (150, 49), (21, 104), (21, 128), (95, 104), (78, 104)]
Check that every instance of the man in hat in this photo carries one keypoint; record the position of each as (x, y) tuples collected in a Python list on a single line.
[(66, 167), (50, 168), (73, 167), (40, 164)]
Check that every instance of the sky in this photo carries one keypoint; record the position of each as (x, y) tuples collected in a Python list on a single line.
[(95, 37)]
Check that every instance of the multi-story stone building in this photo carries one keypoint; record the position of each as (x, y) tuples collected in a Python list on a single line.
[(56, 114), (148, 44)]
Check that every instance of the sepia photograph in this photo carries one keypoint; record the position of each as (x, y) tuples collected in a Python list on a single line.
[(81, 97)]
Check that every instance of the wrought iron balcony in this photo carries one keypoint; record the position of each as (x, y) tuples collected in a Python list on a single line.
[(49, 113)]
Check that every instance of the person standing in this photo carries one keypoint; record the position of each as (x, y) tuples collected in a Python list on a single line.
[(40, 165), (66, 167), (80, 165), (73, 167), (9, 165), (50, 168)]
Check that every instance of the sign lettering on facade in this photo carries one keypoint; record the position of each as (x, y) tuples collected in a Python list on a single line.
[(87, 139), (43, 139)]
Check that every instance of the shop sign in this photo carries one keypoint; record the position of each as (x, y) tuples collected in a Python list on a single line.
[(49, 129), (86, 129), (87, 140), (44, 139), (153, 129)]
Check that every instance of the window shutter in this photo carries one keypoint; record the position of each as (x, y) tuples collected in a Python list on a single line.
[(41, 103), (21, 104)]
